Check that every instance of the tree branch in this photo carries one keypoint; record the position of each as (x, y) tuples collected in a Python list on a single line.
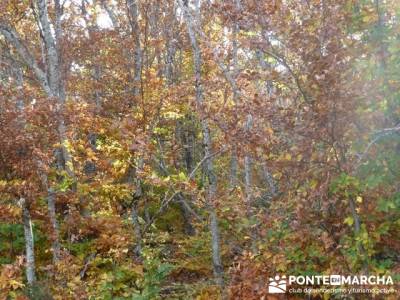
[(380, 134), (168, 200), (14, 39)]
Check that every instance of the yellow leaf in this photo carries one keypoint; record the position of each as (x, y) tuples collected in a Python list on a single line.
[(15, 284), (349, 221), (359, 199)]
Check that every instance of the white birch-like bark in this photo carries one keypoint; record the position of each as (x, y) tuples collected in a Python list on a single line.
[(54, 77), (52, 55), (14, 39), (50, 80), (26, 217), (53, 59), (51, 208), (29, 243)]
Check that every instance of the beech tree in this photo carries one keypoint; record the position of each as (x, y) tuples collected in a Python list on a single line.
[(193, 149)]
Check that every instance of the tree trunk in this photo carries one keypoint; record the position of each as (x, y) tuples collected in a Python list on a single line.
[(133, 15), (233, 178), (29, 243), (209, 166), (53, 61), (269, 179), (136, 228), (51, 205), (51, 198), (134, 212), (235, 72), (186, 136), (248, 187)]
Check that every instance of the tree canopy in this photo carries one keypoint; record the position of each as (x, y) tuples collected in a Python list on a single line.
[(188, 149)]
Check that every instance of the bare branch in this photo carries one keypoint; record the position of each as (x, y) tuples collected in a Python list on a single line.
[(380, 134), (168, 200), (52, 53), (14, 39)]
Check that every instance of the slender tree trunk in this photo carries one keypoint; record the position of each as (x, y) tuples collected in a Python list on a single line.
[(136, 228), (216, 251), (56, 90), (26, 216), (29, 243), (51, 205), (357, 230), (186, 215), (185, 136), (170, 75), (184, 129), (134, 210), (235, 72), (133, 15), (269, 181), (248, 181), (209, 165), (356, 218), (52, 45), (248, 187), (51, 208), (233, 178), (51, 197), (267, 89)]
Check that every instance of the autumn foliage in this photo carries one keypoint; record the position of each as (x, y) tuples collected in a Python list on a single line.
[(181, 149)]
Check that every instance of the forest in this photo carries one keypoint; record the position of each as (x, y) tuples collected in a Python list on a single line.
[(196, 149)]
